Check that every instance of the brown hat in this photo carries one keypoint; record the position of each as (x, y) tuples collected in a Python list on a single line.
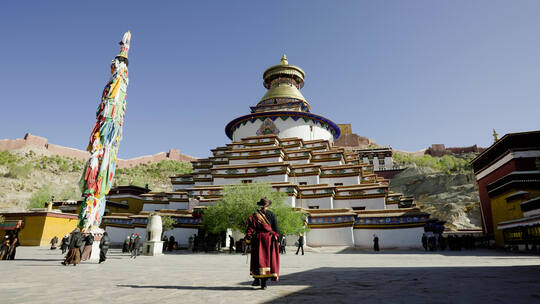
[(264, 202)]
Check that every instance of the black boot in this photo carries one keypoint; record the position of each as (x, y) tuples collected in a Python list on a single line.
[(256, 282), (263, 283)]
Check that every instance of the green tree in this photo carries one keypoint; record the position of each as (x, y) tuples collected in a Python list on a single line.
[(167, 223), (239, 203)]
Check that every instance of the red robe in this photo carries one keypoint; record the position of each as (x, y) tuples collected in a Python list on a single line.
[(264, 247)]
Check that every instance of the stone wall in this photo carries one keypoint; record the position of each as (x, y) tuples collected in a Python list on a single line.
[(42, 144)]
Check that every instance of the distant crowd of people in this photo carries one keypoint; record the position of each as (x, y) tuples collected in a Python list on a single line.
[(132, 245), (436, 241), (79, 246)]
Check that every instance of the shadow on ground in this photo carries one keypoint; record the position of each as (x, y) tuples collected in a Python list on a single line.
[(516, 284), (218, 288)]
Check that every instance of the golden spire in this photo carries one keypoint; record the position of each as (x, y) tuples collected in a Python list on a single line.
[(495, 136), (284, 60)]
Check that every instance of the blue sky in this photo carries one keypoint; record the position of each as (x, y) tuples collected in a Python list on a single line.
[(404, 73)]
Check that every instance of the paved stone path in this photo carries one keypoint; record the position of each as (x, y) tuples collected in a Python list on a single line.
[(349, 276)]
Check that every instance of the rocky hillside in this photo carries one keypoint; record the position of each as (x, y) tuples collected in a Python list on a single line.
[(28, 178), (449, 196)]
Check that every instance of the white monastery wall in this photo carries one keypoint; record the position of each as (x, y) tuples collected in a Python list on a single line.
[(321, 202), (339, 236), (346, 181), (377, 203), (176, 187), (298, 162), (155, 207), (404, 238), (181, 235), (309, 179), (287, 128), (219, 181), (118, 235), (276, 159), (178, 205)]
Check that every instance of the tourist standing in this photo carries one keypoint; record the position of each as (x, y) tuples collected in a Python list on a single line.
[(104, 247), (53, 242), (74, 254), (65, 243), (231, 244), (300, 243), (284, 245), (87, 249), (136, 243), (263, 233), (375, 243)]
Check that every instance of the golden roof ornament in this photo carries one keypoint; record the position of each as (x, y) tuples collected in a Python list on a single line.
[(495, 136), (284, 60)]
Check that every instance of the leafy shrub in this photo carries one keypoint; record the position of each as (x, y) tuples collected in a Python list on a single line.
[(39, 198), (447, 163), (16, 171)]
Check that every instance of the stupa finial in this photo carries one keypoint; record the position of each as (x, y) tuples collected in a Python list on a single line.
[(124, 45), (284, 60), (495, 136)]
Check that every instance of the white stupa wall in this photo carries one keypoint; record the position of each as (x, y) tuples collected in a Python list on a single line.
[(287, 128), (340, 236), (345, 181), (369, 203), (298, 162), (309, 179), (178, 205), (278, 178), (155, 207), (256, 161), (321, 202), (403, 238), (177, 187)]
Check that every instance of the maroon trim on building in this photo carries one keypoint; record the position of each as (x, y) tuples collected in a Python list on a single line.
[(40, 213), (388, 174), (511, 141)]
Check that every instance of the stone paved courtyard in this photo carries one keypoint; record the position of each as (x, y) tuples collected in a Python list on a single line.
[(330, 276)]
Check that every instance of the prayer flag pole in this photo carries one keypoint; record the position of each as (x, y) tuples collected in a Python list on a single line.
[(105, 138)]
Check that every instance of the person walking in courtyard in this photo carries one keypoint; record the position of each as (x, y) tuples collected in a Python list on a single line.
[(300, 243), (65, 243), (104, 247), (4, 248), (165, 241), (87, 249), (135, 244), (74, 254), (283, 244), (53, 242), (424, 241), (13, 244), (375, 243), (125, 245), (231, 244), (172, 243), (262, 234)]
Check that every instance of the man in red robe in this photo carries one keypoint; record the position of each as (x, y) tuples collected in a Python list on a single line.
[(263, 235)]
